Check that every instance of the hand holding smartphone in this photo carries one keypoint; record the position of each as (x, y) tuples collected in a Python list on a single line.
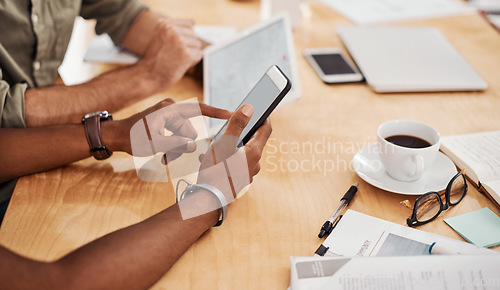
[(331, 66), (264, 97)]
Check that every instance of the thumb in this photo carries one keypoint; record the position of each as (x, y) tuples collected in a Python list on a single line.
[(239, 120)]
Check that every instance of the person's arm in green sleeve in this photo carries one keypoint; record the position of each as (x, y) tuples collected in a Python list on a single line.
[(169, 49), (155, 72), (11, 104)]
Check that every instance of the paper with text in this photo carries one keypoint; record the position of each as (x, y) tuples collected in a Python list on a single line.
[(423, 272), (478, 152), (360, 235)]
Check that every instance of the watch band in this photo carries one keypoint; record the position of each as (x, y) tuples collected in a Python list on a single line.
[(92, 124), (191, 188), (221, 200)]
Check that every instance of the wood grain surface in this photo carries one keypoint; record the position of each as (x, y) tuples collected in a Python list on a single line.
[(54, 212)]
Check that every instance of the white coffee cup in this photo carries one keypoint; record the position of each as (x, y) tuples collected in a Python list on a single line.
[(400, 161)]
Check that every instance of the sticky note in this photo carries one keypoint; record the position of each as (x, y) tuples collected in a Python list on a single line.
[(480, 227)]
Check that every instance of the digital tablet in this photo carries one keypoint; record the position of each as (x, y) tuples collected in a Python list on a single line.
[(231, 68)]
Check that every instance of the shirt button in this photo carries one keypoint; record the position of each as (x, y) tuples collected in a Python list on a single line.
[(34, 18), (36, 65)]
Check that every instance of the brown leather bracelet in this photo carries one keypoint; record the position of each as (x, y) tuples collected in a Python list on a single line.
[(92, 124)]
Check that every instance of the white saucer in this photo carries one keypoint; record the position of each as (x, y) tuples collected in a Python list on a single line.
[(369, 167)]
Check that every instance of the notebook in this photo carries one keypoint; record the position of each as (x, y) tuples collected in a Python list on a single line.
[(479, 155), (409, 59)]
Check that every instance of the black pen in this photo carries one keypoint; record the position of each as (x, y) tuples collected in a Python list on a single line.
[(327, 227)]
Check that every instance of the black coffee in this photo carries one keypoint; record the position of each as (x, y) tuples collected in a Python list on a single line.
[(408, 141)]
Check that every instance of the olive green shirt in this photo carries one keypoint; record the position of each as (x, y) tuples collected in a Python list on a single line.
[(34, 36)]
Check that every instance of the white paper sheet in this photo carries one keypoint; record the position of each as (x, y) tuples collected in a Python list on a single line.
[(479, 152), (424, 272), (103, 50), (375, 11), (358, 234), (73, 70)]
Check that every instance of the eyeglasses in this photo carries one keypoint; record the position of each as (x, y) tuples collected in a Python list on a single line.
[(428, 206)]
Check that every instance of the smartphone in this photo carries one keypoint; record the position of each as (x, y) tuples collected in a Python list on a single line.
[(331, 66), (264, 97)]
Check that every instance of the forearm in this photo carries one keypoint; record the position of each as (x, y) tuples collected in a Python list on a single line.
[(34, 150), (141, 32), (138, 256), (131, 258), (31, 150), (68, 104)]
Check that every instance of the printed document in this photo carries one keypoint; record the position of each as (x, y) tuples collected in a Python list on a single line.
[(423, 272), (360, 235)]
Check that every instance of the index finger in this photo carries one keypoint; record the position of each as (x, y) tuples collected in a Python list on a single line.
[(190, 110), (214, 112)]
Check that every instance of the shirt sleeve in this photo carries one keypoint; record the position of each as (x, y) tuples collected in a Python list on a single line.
[(113, 16), (12, 104)]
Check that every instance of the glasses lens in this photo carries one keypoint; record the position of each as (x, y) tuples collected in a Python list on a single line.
[(458, 189), (428, 207)]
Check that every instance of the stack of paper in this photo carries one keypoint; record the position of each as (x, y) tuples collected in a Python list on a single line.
[(364, 252), (360, 235), (423, 272)]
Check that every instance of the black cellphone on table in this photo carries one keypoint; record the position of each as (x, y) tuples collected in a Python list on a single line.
[(331, 65)]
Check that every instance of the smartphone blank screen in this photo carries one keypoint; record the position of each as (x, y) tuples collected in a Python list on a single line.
[(261, 97), (332, 64)]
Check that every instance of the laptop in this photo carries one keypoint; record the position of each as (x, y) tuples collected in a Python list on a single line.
[(409, 59)]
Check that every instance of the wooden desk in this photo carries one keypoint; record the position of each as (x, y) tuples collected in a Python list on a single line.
[(55, 212)]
